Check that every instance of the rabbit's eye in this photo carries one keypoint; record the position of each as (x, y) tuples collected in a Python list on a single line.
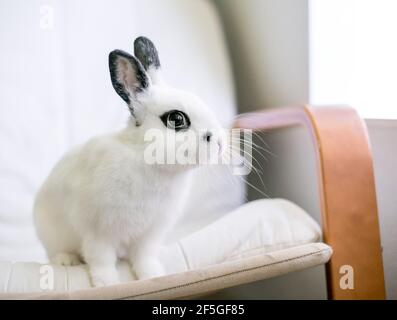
[(176, 120)]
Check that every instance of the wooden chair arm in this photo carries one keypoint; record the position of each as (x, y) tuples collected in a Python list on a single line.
[(346, 189)]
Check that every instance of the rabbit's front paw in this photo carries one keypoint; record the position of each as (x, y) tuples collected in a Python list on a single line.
[(148, 267), (104, 276)]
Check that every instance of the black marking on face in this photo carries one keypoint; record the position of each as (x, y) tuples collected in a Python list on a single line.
[(142, 80), (176, 120), (146, 52)]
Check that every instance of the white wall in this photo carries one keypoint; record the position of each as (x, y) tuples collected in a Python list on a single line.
[(383, 136), (268, 41), (353, 55)]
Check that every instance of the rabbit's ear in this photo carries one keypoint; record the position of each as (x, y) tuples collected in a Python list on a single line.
[(147, 54), (128, 76)]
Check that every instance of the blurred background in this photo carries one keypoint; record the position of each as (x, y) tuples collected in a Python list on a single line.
[(238, 55)]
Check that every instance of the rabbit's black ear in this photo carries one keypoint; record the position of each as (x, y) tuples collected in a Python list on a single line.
[(128, 75), (146, 52)]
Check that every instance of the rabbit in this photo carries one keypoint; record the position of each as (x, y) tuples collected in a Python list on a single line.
[(102, 201)]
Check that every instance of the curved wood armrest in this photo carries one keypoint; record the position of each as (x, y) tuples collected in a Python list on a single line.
[(347, 192)]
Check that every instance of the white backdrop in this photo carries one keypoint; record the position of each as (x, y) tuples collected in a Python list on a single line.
[(353, 53)]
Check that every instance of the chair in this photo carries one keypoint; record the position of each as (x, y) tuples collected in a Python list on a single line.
[(63, 87)]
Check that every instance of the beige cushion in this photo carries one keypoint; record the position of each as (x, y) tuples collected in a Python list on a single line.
[(175, 286)]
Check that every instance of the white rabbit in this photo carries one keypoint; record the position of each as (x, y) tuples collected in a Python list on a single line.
[(103, 201)]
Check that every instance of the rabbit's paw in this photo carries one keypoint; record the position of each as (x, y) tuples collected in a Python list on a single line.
[(148, 267), (104, 276)]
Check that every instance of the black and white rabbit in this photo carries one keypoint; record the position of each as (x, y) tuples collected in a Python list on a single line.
[(103, 201)]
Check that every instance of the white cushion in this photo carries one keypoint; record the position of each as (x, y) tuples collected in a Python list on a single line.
[(180, 285), (55, 92), (255, 229)]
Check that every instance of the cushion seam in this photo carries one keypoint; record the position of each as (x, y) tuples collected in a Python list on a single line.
[(7, 283), (225, 275), (184, 254), (279, 246)]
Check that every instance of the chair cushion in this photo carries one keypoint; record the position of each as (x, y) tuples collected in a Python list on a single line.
[(181, 285), (257, 229)]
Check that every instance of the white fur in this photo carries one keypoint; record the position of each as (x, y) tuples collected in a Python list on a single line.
[(102, 201)]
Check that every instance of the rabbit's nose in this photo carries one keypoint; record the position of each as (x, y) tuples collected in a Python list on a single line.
[(207, 136)]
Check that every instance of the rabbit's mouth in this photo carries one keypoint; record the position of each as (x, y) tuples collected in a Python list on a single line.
[(215, 140)]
